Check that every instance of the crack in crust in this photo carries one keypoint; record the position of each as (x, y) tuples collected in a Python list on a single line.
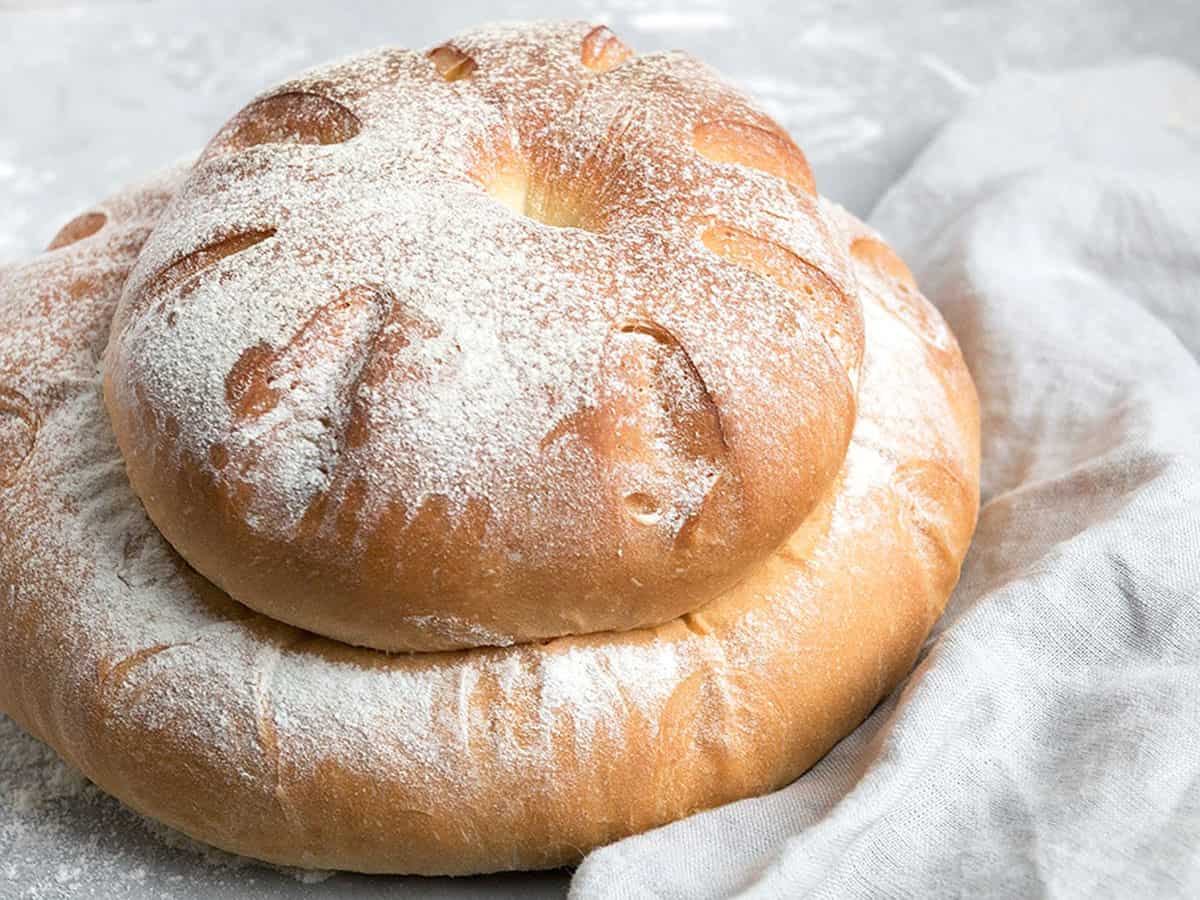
[(451, 63), (195, 262), (266, 731), (290, 117), (77, 229), (661, 431), (896, 288), (111, 676), (765, 147), (343, 332), (836, 314), (602, 50)]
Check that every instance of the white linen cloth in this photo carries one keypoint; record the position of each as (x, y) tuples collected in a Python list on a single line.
[(1048, 742)]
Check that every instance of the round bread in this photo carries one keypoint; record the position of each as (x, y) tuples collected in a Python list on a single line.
[(519, 338), (270, 741)]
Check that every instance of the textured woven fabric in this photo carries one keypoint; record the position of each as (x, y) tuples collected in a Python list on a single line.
[(1048, 742)]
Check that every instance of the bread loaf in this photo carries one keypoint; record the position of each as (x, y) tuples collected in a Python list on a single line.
[(357, 398)]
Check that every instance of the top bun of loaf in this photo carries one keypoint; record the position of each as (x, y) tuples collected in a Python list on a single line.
[(521, 337)]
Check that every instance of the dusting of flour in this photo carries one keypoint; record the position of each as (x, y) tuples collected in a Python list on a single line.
[(44, 804)]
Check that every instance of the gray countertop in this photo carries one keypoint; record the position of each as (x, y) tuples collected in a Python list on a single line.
[(94, 96)]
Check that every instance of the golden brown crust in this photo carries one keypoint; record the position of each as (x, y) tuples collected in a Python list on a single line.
[(265, 740), (365, 398)]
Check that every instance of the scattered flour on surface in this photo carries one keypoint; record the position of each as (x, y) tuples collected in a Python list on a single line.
[(57, 824)]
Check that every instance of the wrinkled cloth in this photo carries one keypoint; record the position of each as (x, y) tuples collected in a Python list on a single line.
[(1048, 741)]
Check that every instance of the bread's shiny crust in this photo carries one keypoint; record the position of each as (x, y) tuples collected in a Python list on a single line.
[(545, 430), (268, 741)]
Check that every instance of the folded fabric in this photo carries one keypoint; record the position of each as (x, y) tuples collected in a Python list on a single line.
[(1048, 741)]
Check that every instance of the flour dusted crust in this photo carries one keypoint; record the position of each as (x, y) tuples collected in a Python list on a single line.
[(362, 394), (267, 740)]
